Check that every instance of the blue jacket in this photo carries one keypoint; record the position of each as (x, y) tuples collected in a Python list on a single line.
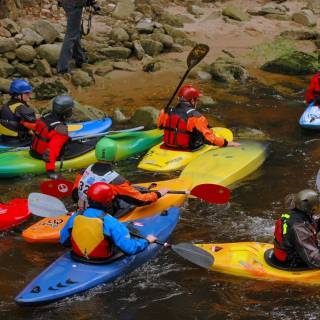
[(112, 228)]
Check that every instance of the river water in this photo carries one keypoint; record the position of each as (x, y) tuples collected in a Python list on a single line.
[(168, 287)]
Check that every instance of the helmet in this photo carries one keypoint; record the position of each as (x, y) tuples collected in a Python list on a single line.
[(307, 201), (100, 194), (188, 92), (20, 86), (62, 105)]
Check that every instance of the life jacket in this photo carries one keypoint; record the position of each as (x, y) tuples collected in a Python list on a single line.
[(9, 121), (88, 239), (284, 250), (316, 90), (44, 126)]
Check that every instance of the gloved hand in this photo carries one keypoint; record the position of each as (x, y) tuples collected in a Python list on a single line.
[(46, 155), (52, 175)]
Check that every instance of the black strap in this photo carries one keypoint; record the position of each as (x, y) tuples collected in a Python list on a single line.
[(84, 32)]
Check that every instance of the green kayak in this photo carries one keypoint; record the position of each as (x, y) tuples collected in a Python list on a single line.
[(81, 154)]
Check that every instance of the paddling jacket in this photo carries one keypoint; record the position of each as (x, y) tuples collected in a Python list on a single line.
[(50, 136), (295, 239), (103, 172), (186, 129), (313, 90), (93, 234), (15, 117)]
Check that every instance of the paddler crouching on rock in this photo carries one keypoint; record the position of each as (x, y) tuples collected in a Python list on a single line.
[(94, 234), (185, 128), (313, 91), (295, 243), (51, 133), (16, 115)]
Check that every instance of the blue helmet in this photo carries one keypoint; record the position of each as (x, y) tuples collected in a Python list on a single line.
[(20, 86)]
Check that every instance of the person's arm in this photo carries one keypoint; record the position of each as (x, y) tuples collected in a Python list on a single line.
[(65, 233), (161, 119), (306, 245), (25, 113), (309, 95)]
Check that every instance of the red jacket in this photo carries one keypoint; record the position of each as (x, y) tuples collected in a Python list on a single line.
[(313, 89)]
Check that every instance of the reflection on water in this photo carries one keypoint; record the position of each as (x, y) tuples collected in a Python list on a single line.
[(169, 287)]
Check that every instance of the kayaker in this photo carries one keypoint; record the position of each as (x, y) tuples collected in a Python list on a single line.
[(185, 128), (313, 91), (16, 115), (126, 195), (295, 242), (94, 234), (51, 133)]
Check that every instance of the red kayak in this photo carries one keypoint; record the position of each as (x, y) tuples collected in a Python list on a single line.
[(13, 213)]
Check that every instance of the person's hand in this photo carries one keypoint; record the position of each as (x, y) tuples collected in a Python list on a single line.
[(151, 238), (163, 191), (233, 144), (52, 175)]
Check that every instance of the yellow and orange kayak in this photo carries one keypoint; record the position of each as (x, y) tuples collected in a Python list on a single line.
[(48, 229), (247, 259)]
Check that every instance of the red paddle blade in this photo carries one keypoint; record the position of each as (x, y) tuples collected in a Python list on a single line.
[(211, 193), (57, 188)]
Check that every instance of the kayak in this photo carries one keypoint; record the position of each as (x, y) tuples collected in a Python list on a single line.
[(226, 166), (310, 118), (81, 154), (161, 159), (66, 277), (13, 213), (249, 259), (48, 229), (75, 130)]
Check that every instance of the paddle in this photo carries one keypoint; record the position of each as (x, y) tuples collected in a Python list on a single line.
[(318, 180), (194, 57)]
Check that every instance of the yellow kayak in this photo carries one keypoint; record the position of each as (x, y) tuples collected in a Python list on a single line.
[(247, 259), (48, 229), (226, 165), (164, 160)]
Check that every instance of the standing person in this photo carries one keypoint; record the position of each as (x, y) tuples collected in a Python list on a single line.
[(51, 133), (313, 91), (184, 127), (71, 47), (17, 117), (295, 241)]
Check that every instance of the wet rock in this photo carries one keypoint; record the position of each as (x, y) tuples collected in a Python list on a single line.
[(103, 70), (145, 26), (151, 47), (235, 13), (273, 8), (206, 102), (175, 33), (46, 30), (294, 63), (122, 65), (250, 133), (314, 5), (184, 18), (7, 44), (6, 69), (146, 116), (119, 117), (195, 10), (26, 53), (43, 68), (119, 35), (4, 33), (165, 39), (151, 65), (172, 20), (138, 50), (10, 56), (81, 78), (49, 89), (4, 85), (11, 26), (123, 9), (176, 48), (144, 8), (31, 37), (305, 17), (227, 70), (300, 35), (203, 75), (116, 52), (24, 70), (50, 52), (276, 16)]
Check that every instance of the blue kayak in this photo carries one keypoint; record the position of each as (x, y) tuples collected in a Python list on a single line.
[(310, 119), (66, 277), (75, 130)]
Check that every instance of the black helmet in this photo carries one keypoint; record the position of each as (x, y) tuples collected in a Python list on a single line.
[(307, 201), (62, 105)]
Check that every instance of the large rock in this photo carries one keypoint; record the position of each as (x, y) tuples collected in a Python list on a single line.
[(119, 35), (175, 33), (172, 20), (4, 85), (81, 78), (46, 30), (138, 50), (31, 37), (50, 52), (272, 8), (305, 17), (7, 44), (49, 89), (300, 35), (11, 26), (43, 68), (123, 9), (24, 70), (4, 33), (165, 39), (26, 53), (151, 47), (294, 63), (116, 52), (235, 13), (145, 26), (6, 69), (122, 65), (226, 70), (314, 5), (146, 116)]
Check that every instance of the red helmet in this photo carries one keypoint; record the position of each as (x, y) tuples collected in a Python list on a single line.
[(100, 193), (188, 92)]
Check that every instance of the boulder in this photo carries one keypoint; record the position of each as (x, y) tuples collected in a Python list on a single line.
[(119, 117), (300, 35), (6, 69), (151, 65), (123, 9), (46, 30), (50, 88), (122, 65), (7, 44), (227, 70), (24, 70), (273, 8), (175, 33), (11, 26), (81, 78), (195, 10), (294, 63), (4, 85), (235, 13), (305, 17), (138, 50), (103, 70), (10, 56), (145, 116), (116, 52), (276, 16), (145, 26), (119, 35), (4, 33), (26, 53), (314, 5), (151, 47), (165, 39), (43, 68), (31, 37), (206, 102), (172, 20), (50, 52)]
